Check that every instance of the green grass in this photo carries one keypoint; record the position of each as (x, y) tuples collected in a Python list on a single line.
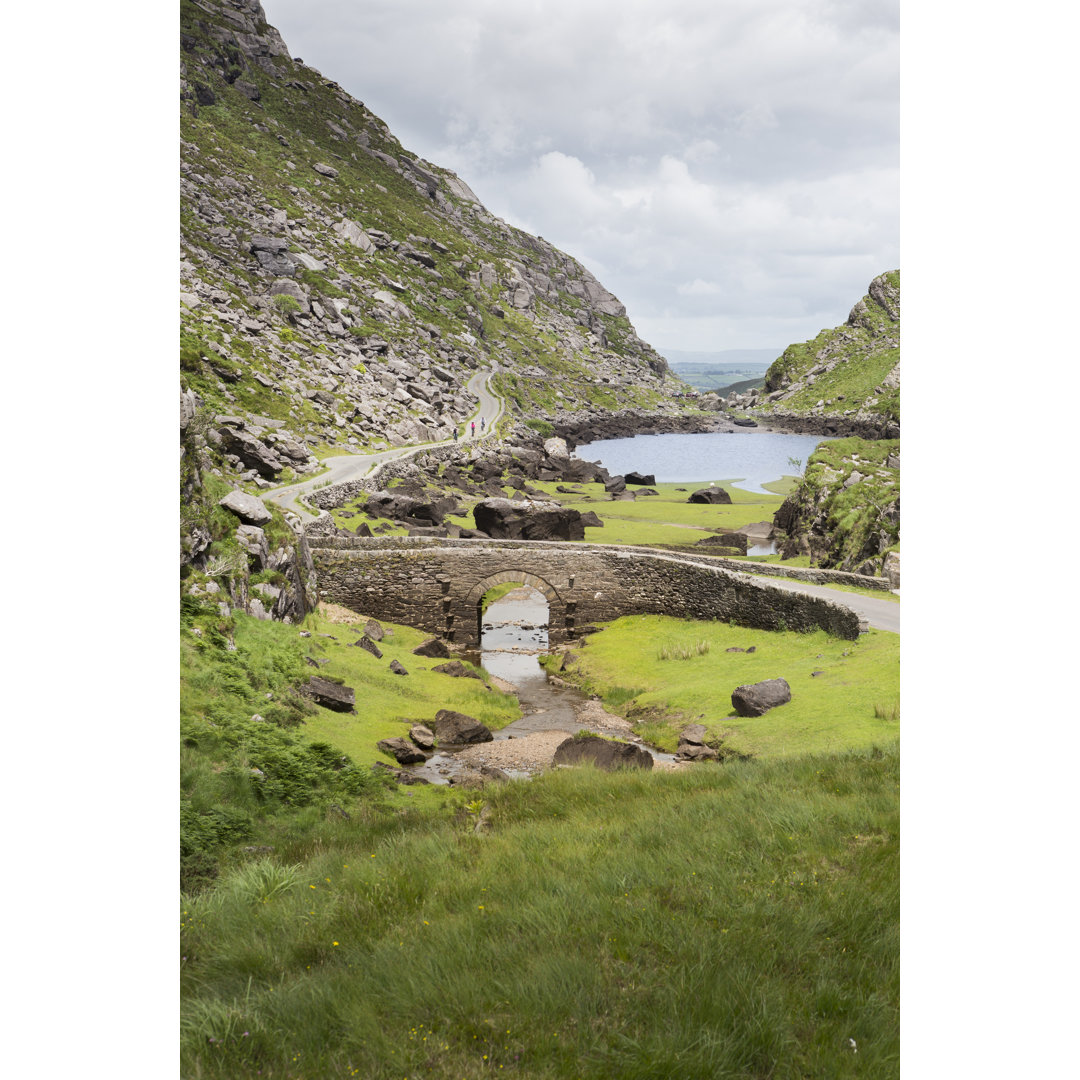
[(666, 518), (725, 921), (497, 593), (832, 711)]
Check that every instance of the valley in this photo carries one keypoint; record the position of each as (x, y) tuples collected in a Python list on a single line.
[(667, 844)]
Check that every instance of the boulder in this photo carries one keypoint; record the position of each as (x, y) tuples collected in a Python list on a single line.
[(254, 453), (603, 753), (527, 519), (253, 540), (733, 540), (457, 670), (433, 647), (415, 511), (615, 485), (373, 629), (396, 668), (754, 699), (368, 645), (711, 494), (641, 479), (423, 736), (330, 695), (401, 750), (457, 728), (246, 507), (696, 752), (591, 521), (694, 734)]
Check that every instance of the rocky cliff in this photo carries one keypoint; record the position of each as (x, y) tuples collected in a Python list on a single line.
[(846, 381), (338, 290)]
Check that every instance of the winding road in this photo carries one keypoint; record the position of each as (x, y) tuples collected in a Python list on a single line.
[(354, 466), (881, 614)]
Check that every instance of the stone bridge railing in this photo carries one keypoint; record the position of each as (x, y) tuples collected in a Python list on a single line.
[(436, 584)]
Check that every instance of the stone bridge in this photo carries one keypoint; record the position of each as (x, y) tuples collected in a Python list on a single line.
[(437, 584)]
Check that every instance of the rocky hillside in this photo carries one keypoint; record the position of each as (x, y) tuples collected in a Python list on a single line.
[(845, 513), (337, 291), (844, 381)]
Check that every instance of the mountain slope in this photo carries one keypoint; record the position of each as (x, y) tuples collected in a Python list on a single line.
[(847, 378), (337, 290)]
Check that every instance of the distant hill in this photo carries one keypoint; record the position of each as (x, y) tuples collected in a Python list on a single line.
[(727, 369), (740, 359)]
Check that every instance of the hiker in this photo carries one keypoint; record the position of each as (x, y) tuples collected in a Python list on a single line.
[(482, 422), (474, 429), (455, 433)]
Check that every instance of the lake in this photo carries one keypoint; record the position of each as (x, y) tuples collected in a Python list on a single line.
[(753, 458)]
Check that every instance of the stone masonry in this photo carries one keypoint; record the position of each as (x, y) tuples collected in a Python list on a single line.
[(436, 584)]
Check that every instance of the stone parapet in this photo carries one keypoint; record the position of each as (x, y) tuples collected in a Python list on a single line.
[(436, 584)]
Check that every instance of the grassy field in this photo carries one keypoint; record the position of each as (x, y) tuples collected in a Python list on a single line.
[(628, 665), (665, 518), (738, 921)]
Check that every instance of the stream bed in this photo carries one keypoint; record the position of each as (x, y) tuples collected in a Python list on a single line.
[(515, 636)]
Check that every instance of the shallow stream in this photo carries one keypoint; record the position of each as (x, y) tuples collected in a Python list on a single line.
[(514, 637)]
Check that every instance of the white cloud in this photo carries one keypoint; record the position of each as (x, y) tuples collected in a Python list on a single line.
[(726, 169)]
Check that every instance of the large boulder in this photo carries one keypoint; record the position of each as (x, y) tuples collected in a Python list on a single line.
[(457, 728), (711, 494), (330, 695), (641, 479), (754, 699), (434, 648), (603, 753), (408, 508), (402, 751), (527, 519), (246, 507)]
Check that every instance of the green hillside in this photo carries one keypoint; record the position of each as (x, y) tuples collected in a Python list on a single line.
[(849, 371)]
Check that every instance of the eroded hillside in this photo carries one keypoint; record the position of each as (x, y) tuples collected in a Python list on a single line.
[(336, 289)]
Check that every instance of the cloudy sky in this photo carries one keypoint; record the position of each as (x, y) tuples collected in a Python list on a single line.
[(728, 168)]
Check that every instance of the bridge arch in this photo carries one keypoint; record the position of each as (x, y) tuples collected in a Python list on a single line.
[(501, 577)]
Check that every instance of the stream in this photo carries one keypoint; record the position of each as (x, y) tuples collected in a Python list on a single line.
[(514, 637)]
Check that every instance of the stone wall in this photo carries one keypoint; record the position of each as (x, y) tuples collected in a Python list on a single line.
[(436, 584), (813, 575)]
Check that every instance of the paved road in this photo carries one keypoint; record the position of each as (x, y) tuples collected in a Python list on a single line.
[(353, 466), (880, 614)]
